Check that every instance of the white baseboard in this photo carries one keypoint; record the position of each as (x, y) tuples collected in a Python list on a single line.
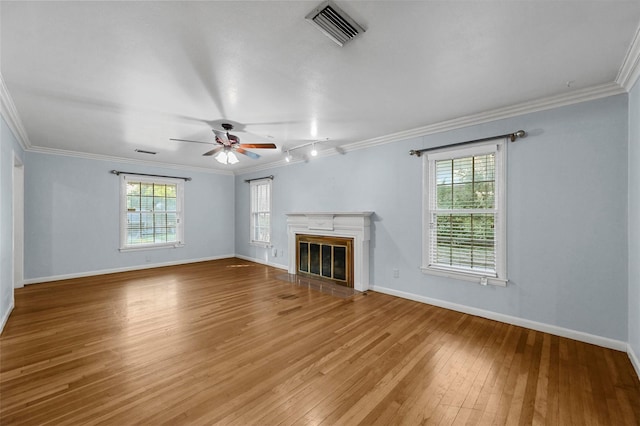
[(263, 262), (634, 360), (5, 317), (534, 325), (124, 269)]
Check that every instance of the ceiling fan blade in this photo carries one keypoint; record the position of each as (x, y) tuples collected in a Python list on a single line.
[(221, 137), (214, 151), (258, 145), (248, 153), (187, 140)]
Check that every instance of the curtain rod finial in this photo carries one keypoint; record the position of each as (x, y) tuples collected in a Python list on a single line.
[(515, 135)]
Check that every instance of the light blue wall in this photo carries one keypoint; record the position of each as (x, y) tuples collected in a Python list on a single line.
[(567, 215), (72, 217), (8, 148), (634, 220)]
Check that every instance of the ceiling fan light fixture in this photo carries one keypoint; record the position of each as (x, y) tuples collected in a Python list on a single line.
[(231, 158), (334, 23), (222, 157)]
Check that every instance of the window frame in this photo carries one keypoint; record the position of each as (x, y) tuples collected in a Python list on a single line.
[(499, 148), (124, 178), (252, 185)]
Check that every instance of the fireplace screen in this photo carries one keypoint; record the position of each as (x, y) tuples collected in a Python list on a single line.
[(326, 257)]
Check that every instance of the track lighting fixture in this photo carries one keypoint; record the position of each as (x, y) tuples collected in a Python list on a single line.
[(313, 152)]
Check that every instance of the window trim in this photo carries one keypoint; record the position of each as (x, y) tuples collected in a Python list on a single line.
[(252, 185), (428, 170), (123, 212)]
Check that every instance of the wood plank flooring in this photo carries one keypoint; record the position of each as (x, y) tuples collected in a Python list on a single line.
[(224, 342)]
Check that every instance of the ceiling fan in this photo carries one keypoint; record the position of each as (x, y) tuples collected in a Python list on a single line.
[(228, 144)]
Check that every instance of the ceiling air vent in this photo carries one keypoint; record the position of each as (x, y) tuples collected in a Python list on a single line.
[(334, 23)]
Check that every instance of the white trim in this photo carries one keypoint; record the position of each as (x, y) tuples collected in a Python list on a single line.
[(260, 244), (17, 234), (262, 262), (542, 104), (11, 116), (551, 102), (158, 246), (100, 157), (630, 68), (634, 359), (628, 74), (499, 149), (471, 276), (180, 213), (252, 225), (5, 318), (508, 319), (123, 269), (268, 166)]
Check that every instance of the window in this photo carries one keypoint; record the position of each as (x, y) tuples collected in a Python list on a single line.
[(151, 212), (464, 213), (260, 212)]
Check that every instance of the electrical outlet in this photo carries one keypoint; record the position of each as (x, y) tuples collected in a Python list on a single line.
[(274, 252), (483, 281), (396, 273)]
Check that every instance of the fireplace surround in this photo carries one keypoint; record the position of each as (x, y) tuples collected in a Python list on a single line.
[(348, 225)]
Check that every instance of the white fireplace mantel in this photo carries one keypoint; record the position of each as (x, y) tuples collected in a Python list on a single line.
[(356, 225)]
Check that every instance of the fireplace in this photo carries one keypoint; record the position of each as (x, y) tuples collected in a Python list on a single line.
[(325, 236), (329, 258)]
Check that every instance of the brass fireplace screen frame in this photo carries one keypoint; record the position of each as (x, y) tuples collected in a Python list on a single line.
[(330, 252)]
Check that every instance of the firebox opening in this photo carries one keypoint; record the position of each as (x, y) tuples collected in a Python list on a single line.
[(329, 258)]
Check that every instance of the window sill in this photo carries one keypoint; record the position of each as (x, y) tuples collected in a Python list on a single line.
[(153, 247), (476, 278), (260, 244)]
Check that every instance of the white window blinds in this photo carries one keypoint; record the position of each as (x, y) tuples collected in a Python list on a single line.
[(260, 212), (464, 215)]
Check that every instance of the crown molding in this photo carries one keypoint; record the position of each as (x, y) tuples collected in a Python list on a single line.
[(10, 115), (100, 157), (627, 76), (574, 97), (266, 166), (630, 70), (543, 104)]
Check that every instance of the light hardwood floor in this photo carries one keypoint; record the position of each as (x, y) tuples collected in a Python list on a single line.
[(225, 342)]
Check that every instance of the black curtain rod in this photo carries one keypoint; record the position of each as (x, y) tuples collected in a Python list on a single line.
[(117, 172), (266, 177), (512, 137)]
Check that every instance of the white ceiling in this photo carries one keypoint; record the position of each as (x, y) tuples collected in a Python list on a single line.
[(106, 78)]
